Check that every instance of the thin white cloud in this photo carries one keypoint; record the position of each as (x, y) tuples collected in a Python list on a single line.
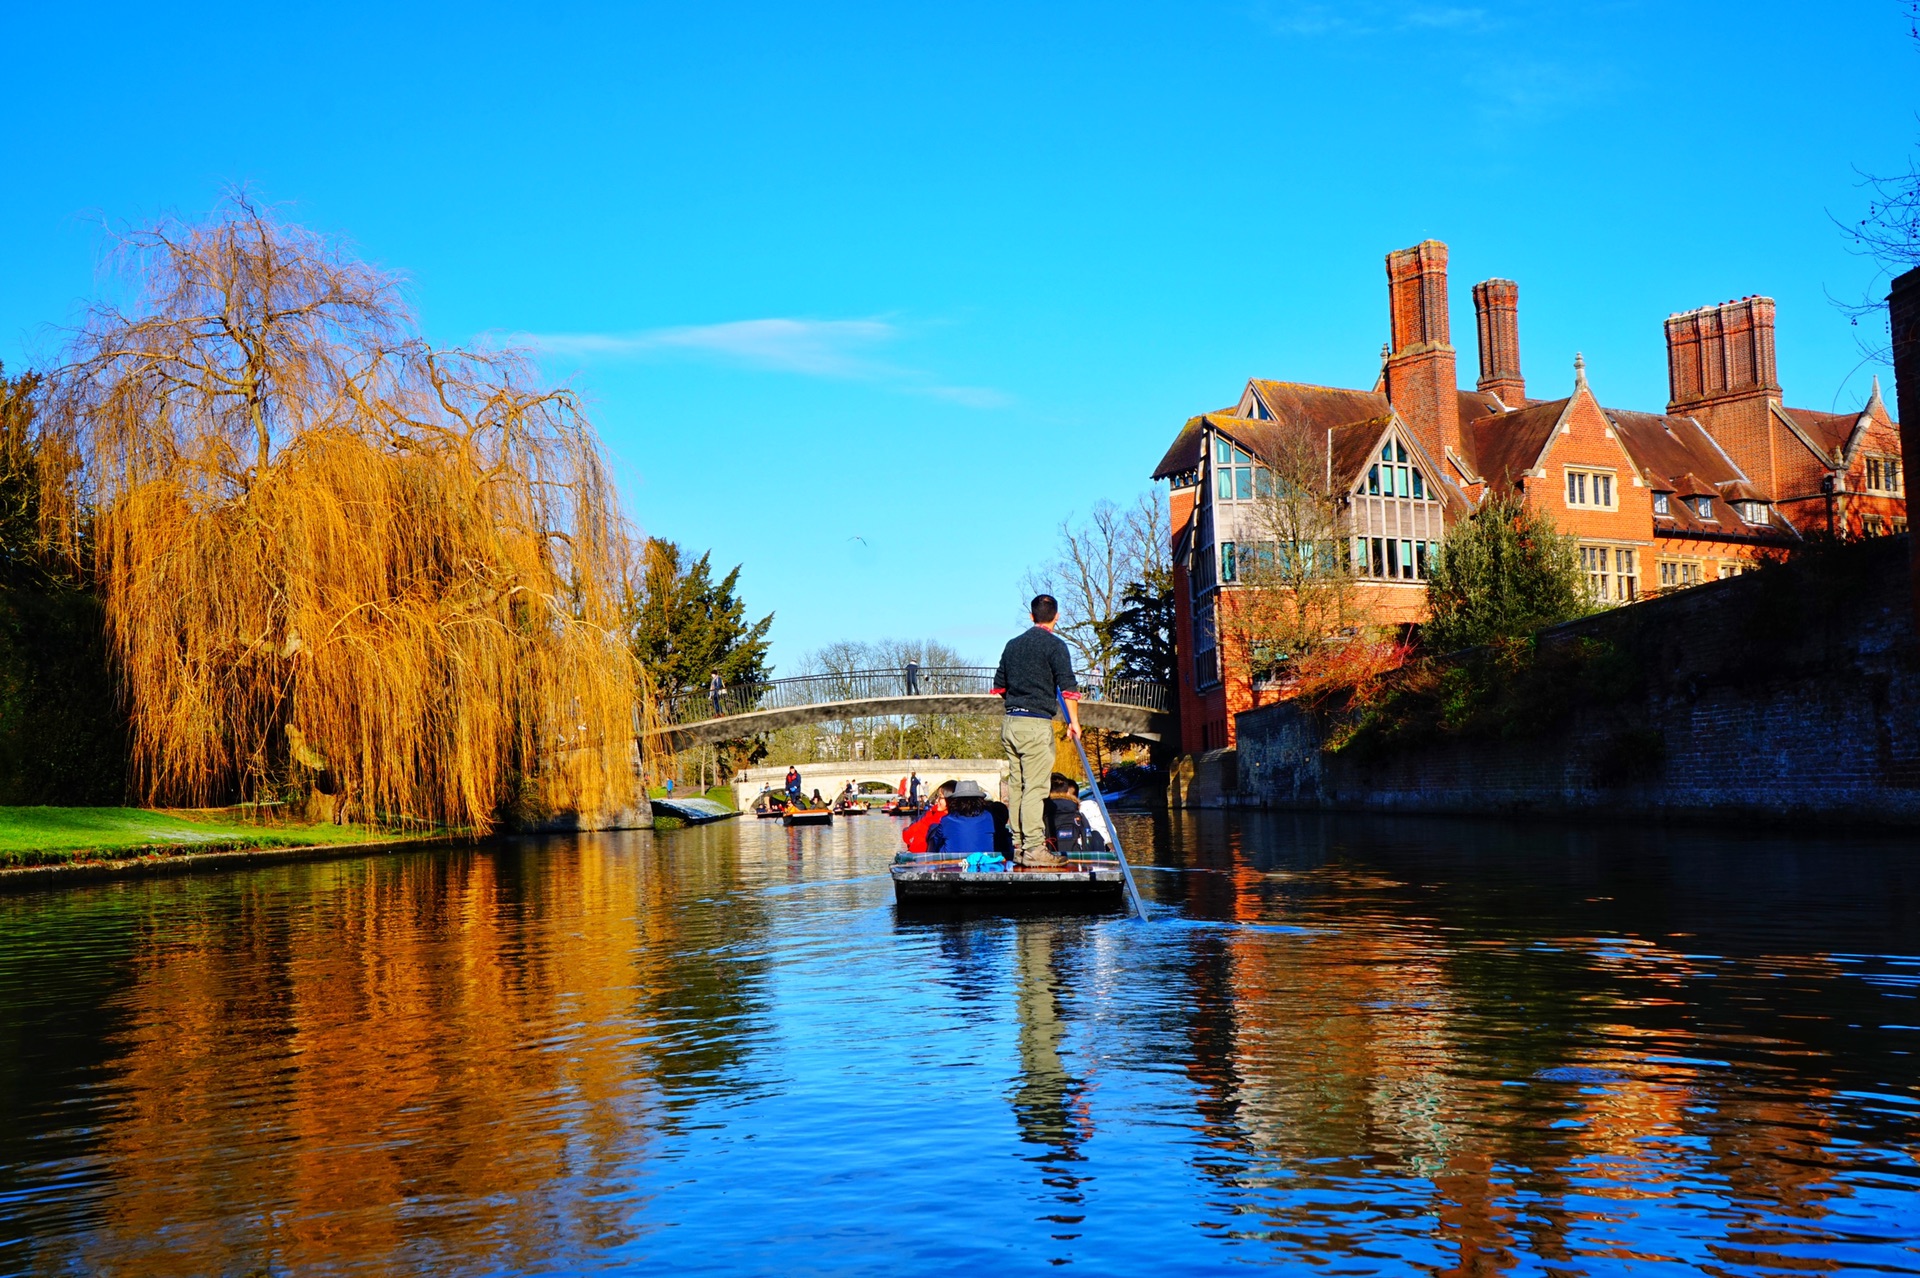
[(971, 396), (839, 349), (1444, 18), (1308, 18), (812, 348)]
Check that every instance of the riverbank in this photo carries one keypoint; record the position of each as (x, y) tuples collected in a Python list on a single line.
[(40, 845)]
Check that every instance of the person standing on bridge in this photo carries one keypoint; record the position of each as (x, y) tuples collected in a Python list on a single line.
[(715, 686), (1035, 675), (913, 677)]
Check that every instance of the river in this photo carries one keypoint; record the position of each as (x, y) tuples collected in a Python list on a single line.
[(1344, 1045)]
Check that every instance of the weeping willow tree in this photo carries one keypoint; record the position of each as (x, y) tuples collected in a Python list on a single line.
[(330, 555)]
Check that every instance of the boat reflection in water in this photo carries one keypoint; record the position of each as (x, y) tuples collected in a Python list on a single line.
[(1382, 1045)]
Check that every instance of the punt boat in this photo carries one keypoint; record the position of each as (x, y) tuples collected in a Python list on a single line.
[(807, 816), (1093, 883)]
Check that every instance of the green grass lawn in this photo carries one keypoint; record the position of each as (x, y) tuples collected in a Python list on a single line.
[(720, 794), (42, 836)]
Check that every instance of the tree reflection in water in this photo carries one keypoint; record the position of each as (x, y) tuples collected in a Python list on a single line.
[(1451, 1047)]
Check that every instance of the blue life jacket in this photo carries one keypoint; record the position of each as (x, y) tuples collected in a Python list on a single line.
[(958, 835)]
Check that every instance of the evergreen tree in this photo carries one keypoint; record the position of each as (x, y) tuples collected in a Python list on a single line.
[(62, 737), (684, 625), (1141, 633), (22, 562), (1503, 573)]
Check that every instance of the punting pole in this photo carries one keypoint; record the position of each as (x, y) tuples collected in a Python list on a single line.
[(1126, 873)]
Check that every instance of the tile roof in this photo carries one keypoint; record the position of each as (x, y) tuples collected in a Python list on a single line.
[(1293, 405), (1741, 490), (1830, 431), (1667, 449), (1322, 406), (1184, 453), (1504, 446)]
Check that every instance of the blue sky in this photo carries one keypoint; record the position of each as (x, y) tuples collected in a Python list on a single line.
[(869, 298)]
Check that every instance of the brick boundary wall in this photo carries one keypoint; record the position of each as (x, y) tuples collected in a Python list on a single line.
[(1903, 326), (1827, 730)]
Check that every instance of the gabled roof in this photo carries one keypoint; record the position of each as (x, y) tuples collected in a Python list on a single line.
[(1508, 445), (1291, 405), (1184, 453), (1741, 490), (1356, 445), (1668, 449), (1323, 406), (1828, 434)]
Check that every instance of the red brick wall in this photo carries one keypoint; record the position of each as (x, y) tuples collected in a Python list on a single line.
[(1422, 372), (1585, 440), (1751, 435), (1496, 311), (1828, 730)]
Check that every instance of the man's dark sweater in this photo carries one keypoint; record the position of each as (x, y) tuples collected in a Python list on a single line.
[(1032, 668)]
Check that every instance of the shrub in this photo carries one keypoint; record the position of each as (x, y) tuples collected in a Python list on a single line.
[(1503, 573)]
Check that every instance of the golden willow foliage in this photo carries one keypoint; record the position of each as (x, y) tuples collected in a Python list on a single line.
[(329, 553)]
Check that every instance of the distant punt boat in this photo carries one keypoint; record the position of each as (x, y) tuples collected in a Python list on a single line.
[(807, 816), (693, 811)]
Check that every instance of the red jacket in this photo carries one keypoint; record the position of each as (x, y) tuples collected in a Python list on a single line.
[(915, 835)]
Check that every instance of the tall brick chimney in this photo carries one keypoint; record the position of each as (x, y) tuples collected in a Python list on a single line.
[(1903, 315), (1422, 384), (1496, 307), (1720, 369)]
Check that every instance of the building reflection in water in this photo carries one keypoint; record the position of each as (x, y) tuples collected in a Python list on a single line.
[(1461, 1048), (1538, 1081)]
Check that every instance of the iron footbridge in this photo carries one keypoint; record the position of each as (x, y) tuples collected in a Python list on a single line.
[(700, 717)]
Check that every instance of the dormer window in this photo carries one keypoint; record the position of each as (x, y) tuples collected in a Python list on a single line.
[(1754, 512), (1703, 507), (1393, 476), (1660, 506)]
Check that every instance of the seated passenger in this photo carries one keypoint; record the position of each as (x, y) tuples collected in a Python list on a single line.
[(967, 827), (915, 835), (1067, 825), (1002, 827)]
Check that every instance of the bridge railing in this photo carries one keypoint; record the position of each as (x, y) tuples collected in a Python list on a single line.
[(697, 704)]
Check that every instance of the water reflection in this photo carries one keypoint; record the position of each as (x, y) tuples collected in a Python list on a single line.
[(1364, 1045)]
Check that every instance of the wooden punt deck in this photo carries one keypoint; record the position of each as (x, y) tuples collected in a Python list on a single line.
[(1081, 886)]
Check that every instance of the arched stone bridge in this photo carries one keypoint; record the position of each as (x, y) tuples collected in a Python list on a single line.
[(692, 718)]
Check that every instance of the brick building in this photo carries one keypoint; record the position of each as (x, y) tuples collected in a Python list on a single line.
[(1657, 501)]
